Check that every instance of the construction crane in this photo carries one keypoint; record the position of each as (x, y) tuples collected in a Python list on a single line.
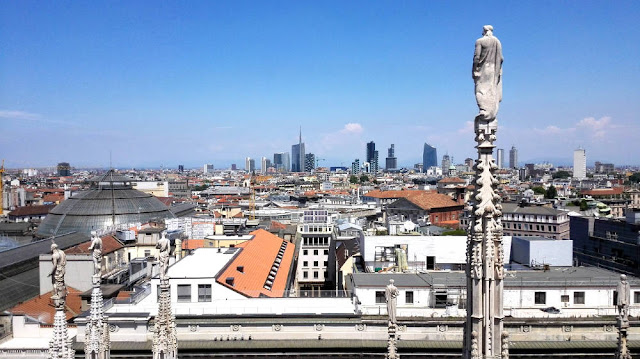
[(1, 189)]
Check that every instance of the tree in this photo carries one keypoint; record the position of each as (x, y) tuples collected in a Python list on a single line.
[(583, 205), (539, 190), (635, 177), (364, 178), (552, 192), (353, 179), (561, 174), (455, 232)]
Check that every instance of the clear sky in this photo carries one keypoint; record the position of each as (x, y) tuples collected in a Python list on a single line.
[(193, 82)]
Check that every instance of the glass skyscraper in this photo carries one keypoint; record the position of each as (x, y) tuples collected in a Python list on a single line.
[(429, 157)]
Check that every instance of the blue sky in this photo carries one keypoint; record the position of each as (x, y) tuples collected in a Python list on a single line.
[(168, 83)]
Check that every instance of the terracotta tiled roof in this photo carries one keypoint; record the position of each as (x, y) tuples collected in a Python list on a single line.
[(31, 210), (430, 201), (238, 215), (278, 225), (57, 198), (109, 244), (452, 180), (41, 307), (604, 191), (192, 243), (252, 266)]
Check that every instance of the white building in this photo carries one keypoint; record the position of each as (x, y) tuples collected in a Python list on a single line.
[(316, 256), (580, 163)]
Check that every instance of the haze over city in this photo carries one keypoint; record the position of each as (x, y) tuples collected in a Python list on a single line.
[(214, 82)]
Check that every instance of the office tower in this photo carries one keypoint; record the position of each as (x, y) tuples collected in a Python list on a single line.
[(513, 157), (371, 148), (298, 155), (373, 165), (429, 157), (392, 161), (265, 163), (446, 163), (207, 168), (180, 168), (355, 167), (249, 164), (234, 167), (500, 158), (281, 161), (64, 169), (580, 163), (309, 162)]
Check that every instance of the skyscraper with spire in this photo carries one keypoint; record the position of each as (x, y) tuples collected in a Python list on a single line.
[(298, 155)]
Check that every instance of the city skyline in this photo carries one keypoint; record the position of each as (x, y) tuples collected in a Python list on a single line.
[(216, 83)]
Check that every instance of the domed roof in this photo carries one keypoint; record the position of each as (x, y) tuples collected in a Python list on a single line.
[(111, 201)]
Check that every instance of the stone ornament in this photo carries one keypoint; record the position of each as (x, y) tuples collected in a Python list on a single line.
[(443, 328), (163, 255), (235, 327), (277, 327), (319, 327), (193, 328), (361, 327), (96, 251), (59, 261), (391, 295)]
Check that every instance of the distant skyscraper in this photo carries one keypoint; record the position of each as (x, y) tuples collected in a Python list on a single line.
[(249, 164), (429, 157), (374, 165), (446, 163), (392, 161), (64, 169), (180, 168), (371, 148), (309, 162), (265, 163), (468, 162), (513, 157), (500, 158), (355, 167), (281, 161), (234, 167), (580, 163), (207, 168), (298, 155)]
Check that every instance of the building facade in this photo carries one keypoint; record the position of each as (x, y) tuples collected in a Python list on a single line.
[(513, 157), (429, 157), (391, 162), (580, 163), (316, 256)]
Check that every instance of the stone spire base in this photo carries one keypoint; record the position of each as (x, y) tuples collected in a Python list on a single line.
[(165, 341)]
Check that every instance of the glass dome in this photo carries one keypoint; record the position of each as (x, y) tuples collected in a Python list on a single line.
[(111, 201)]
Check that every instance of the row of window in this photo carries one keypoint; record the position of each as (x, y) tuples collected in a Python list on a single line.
[(305, 252), (529, 227), (315, 241), (184, 292), (381, 299), (316, 274), (524, 235), (579, 298), (315, 263)]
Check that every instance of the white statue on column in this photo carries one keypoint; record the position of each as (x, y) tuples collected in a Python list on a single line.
[(59, 261), (391, 295), (163, 255), (624, 297), (96, 248)]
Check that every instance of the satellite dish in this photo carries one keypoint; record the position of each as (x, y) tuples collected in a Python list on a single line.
[(409, 226)]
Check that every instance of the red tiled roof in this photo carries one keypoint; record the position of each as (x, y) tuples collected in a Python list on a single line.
[(41, 307), (109, 244), (192, 243), (604, 191), (238, 215), (53, 198), (257, 258), (452, 180), (278, 225), (31, 210), (430, 201), (393, 194)]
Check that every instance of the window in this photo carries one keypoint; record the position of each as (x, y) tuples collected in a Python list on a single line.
[(204, 292), (184, 292), (431, 262), (305, 274), (305, 264), (380, 298), (578, 297), (326, 263), (636, 297), (326, 252), (408, 297), (305, 252), (315, 252), (540, 297), (315, 263), (315, 274), (564, 298), (147, 253)]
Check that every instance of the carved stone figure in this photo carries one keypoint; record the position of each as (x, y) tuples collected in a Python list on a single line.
[(487, 73), (163, 256), (96, 247), (59, 260), (624, 297), (391, 295)]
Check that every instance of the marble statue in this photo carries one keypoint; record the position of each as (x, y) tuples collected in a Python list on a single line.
[(96, 248), (163, 256), (487, 74), (391, 295), (624, 297), (59, 260)]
